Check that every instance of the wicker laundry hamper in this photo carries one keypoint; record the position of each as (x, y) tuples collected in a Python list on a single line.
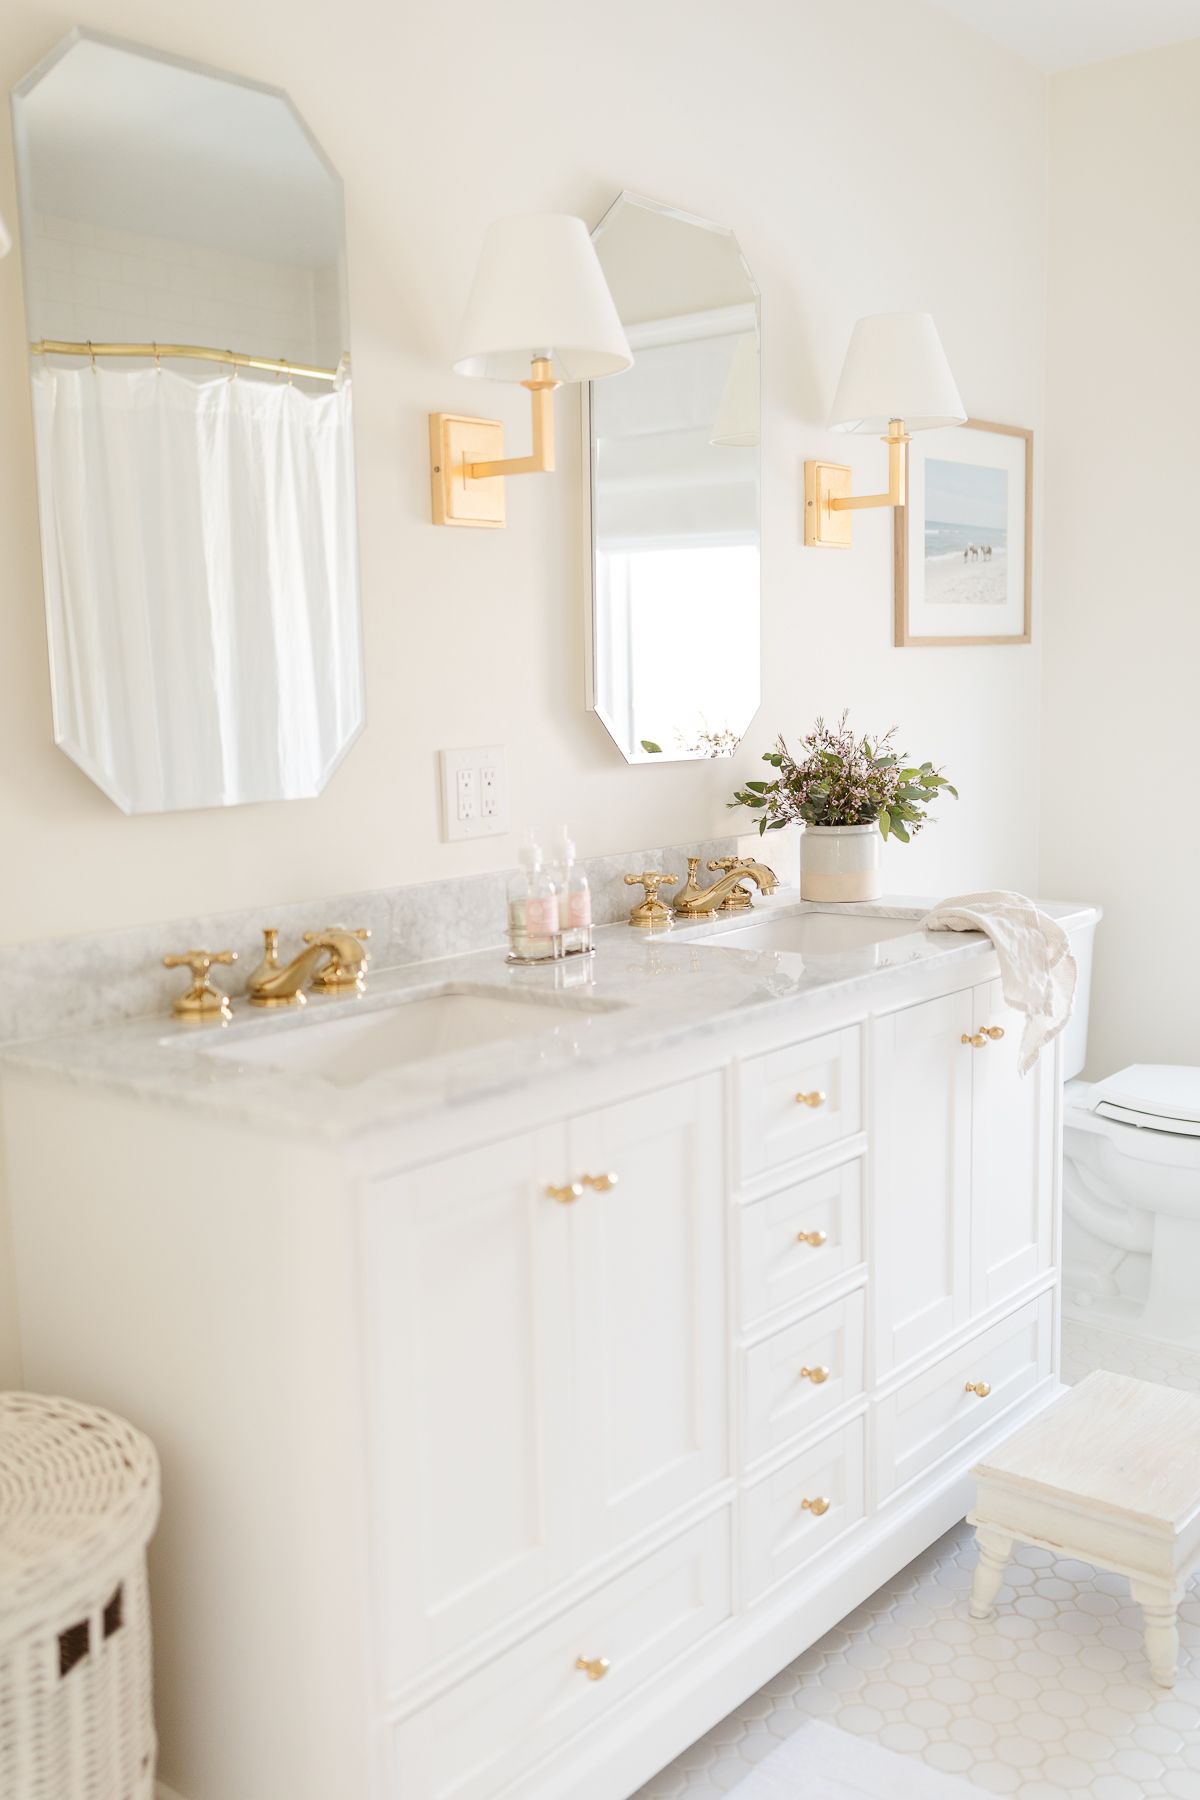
[(78, 1504)]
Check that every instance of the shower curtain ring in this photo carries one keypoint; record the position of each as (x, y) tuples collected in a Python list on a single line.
[(157, 360), (92, 354)]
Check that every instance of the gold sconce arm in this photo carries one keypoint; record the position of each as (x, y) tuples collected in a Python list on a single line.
[(468, 470), (541, 385), (827, 493)]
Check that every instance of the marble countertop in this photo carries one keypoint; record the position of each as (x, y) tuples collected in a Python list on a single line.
[(651, 990)]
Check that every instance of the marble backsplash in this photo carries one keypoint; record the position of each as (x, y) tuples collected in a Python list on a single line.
[(75, 984)]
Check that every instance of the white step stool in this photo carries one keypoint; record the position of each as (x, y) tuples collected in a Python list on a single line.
[(1110, 1474)]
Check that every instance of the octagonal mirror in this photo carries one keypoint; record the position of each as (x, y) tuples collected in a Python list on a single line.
[(182, 240), (672, 463)]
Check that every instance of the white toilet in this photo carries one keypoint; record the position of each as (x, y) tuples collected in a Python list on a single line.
[(1131, 1200)]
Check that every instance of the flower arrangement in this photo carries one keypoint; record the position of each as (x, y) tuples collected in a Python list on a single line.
[(842, 779)]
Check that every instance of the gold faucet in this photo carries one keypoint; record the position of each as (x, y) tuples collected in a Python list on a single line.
[(726, 893), (340, 951)]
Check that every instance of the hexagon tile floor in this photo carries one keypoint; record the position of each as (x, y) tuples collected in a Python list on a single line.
[(1050, 1699)]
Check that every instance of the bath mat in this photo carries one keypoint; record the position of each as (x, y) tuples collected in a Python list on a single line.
[(819, 1762)]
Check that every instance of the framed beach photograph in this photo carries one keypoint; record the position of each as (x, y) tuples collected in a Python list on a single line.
[(964, 541)]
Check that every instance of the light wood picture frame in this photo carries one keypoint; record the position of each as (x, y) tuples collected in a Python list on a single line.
[(982, 569)]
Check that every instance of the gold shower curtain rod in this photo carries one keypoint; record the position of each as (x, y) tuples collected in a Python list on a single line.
[(198, 352)]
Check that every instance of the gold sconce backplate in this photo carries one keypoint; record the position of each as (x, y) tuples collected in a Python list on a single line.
[(824, 528), (455, 442)]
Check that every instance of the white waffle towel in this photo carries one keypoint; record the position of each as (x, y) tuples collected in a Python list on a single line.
[(1037, 970)]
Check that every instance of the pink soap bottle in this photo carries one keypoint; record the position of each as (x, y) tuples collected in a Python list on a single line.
[(533, 915), (574, 895)]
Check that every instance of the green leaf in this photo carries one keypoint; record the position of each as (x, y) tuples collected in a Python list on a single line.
[(900, 829), (759, 787), (651, 748), (762, 826), (885, 822), (952, 790)]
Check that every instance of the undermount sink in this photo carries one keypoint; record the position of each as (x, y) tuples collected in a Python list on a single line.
[(814, 934), (348, 1050)]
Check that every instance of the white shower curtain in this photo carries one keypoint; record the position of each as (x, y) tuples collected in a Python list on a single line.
[(199, 544)]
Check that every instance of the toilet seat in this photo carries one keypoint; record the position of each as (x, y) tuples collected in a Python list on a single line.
[(1154, 1096)]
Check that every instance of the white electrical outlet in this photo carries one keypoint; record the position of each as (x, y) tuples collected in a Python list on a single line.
[(474, 792), (466, 795)]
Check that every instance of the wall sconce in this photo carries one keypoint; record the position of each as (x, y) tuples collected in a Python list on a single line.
[(895, 380), (540, 313)]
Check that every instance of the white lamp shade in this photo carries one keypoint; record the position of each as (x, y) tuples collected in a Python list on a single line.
[(539, 291), (5, 240), (896, 368)]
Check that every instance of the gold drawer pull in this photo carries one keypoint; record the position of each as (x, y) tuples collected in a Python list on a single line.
[(600, 1184), (815, 1238), (816, 1376), (980, 1388), (976, 1040), (816, 1098), (993, 1031), (594, 1667), (565, 1195), (818, 1507)]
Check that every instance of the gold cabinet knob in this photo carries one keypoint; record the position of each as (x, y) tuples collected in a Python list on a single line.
[(600, 1184), (980, 1388), (594, 1667), (818, 1507), (651, 911), (202, 1000), (816, 1098), (816, 1376), (565, 1195), (993, 1031), (815, 1238), (976, 1040)]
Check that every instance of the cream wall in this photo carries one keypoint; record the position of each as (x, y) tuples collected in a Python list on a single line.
[(777, 117), (1121, 627)]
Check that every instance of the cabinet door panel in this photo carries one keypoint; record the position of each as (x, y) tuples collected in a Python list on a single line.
[(648, 1275), (936, 1412), (921, 1172), (778, 1401), (780, 1261), (485, 1736), (777, 1124), (780, 1532), (1012, 1158), (467, 1274)]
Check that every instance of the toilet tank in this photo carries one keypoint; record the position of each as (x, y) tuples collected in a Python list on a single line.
[(1074, 1038)]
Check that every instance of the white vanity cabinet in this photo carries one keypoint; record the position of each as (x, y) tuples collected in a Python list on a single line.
[(506, 1450), (546, 1357)]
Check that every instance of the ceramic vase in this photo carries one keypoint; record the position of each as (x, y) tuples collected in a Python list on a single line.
[(840, 862)]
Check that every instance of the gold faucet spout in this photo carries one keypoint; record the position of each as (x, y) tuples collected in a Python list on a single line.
[(331, 959), (726, 893)]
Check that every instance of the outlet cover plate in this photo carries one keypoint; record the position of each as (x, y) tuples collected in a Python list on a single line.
[(482, 773)]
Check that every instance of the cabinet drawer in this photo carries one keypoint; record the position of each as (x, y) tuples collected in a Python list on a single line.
[(935, 1412), (779, 1400), (779, 1263), (779, 1532), (477, 1741), (777, 1122)]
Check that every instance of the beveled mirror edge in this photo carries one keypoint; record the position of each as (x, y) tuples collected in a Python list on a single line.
[(587, 466)]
